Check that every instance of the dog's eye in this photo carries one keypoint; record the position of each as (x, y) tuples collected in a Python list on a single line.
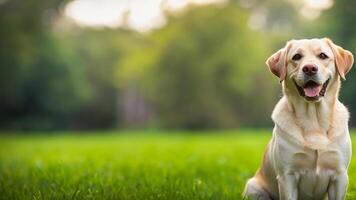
[(323, 56), (296, 57)]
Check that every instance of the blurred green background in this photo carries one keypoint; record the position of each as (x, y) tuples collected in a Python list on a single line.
[(172, 64)]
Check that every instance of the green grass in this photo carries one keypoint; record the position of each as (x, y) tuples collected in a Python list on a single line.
[(132, 165)]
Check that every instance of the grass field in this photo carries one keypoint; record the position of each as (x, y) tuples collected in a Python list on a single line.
[(132, 165)]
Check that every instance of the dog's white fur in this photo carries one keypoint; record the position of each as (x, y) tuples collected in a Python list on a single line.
[(310, 149)]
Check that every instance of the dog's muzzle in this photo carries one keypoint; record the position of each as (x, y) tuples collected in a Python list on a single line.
[(311, 90)]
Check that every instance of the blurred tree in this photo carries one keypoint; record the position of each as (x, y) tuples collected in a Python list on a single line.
[(38, 85), (98, 52), (203, 70)]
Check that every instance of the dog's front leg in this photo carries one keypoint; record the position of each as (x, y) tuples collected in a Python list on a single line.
[(288, 187), (338, 187)]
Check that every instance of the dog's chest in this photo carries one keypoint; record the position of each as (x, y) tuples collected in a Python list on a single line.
[(316, 160), (315, 165), (317, 153), (314, 170), (314, 153)]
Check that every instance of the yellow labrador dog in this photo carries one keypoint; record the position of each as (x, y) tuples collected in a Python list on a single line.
[(310, 150)]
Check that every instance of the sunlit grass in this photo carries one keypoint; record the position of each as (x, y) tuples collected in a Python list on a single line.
[(132, 165)]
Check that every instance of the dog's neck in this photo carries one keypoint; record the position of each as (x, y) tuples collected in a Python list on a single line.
[(313, 117)]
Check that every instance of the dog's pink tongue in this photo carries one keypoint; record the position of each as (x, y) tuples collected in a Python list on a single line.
[(312, 91)]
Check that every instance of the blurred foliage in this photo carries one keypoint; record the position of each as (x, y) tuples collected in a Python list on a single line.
[(39, 85), (203, 69), (191, 72), (97, 53)]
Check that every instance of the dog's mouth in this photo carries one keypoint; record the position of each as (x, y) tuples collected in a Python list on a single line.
[(311, 90)]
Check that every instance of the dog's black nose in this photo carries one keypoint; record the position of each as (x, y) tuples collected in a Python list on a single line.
[(310, 70)]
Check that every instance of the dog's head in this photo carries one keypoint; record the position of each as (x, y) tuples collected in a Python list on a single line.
[(309, 66)]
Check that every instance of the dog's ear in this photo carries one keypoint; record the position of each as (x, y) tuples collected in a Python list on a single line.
[(277, 63), (343, 58)]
